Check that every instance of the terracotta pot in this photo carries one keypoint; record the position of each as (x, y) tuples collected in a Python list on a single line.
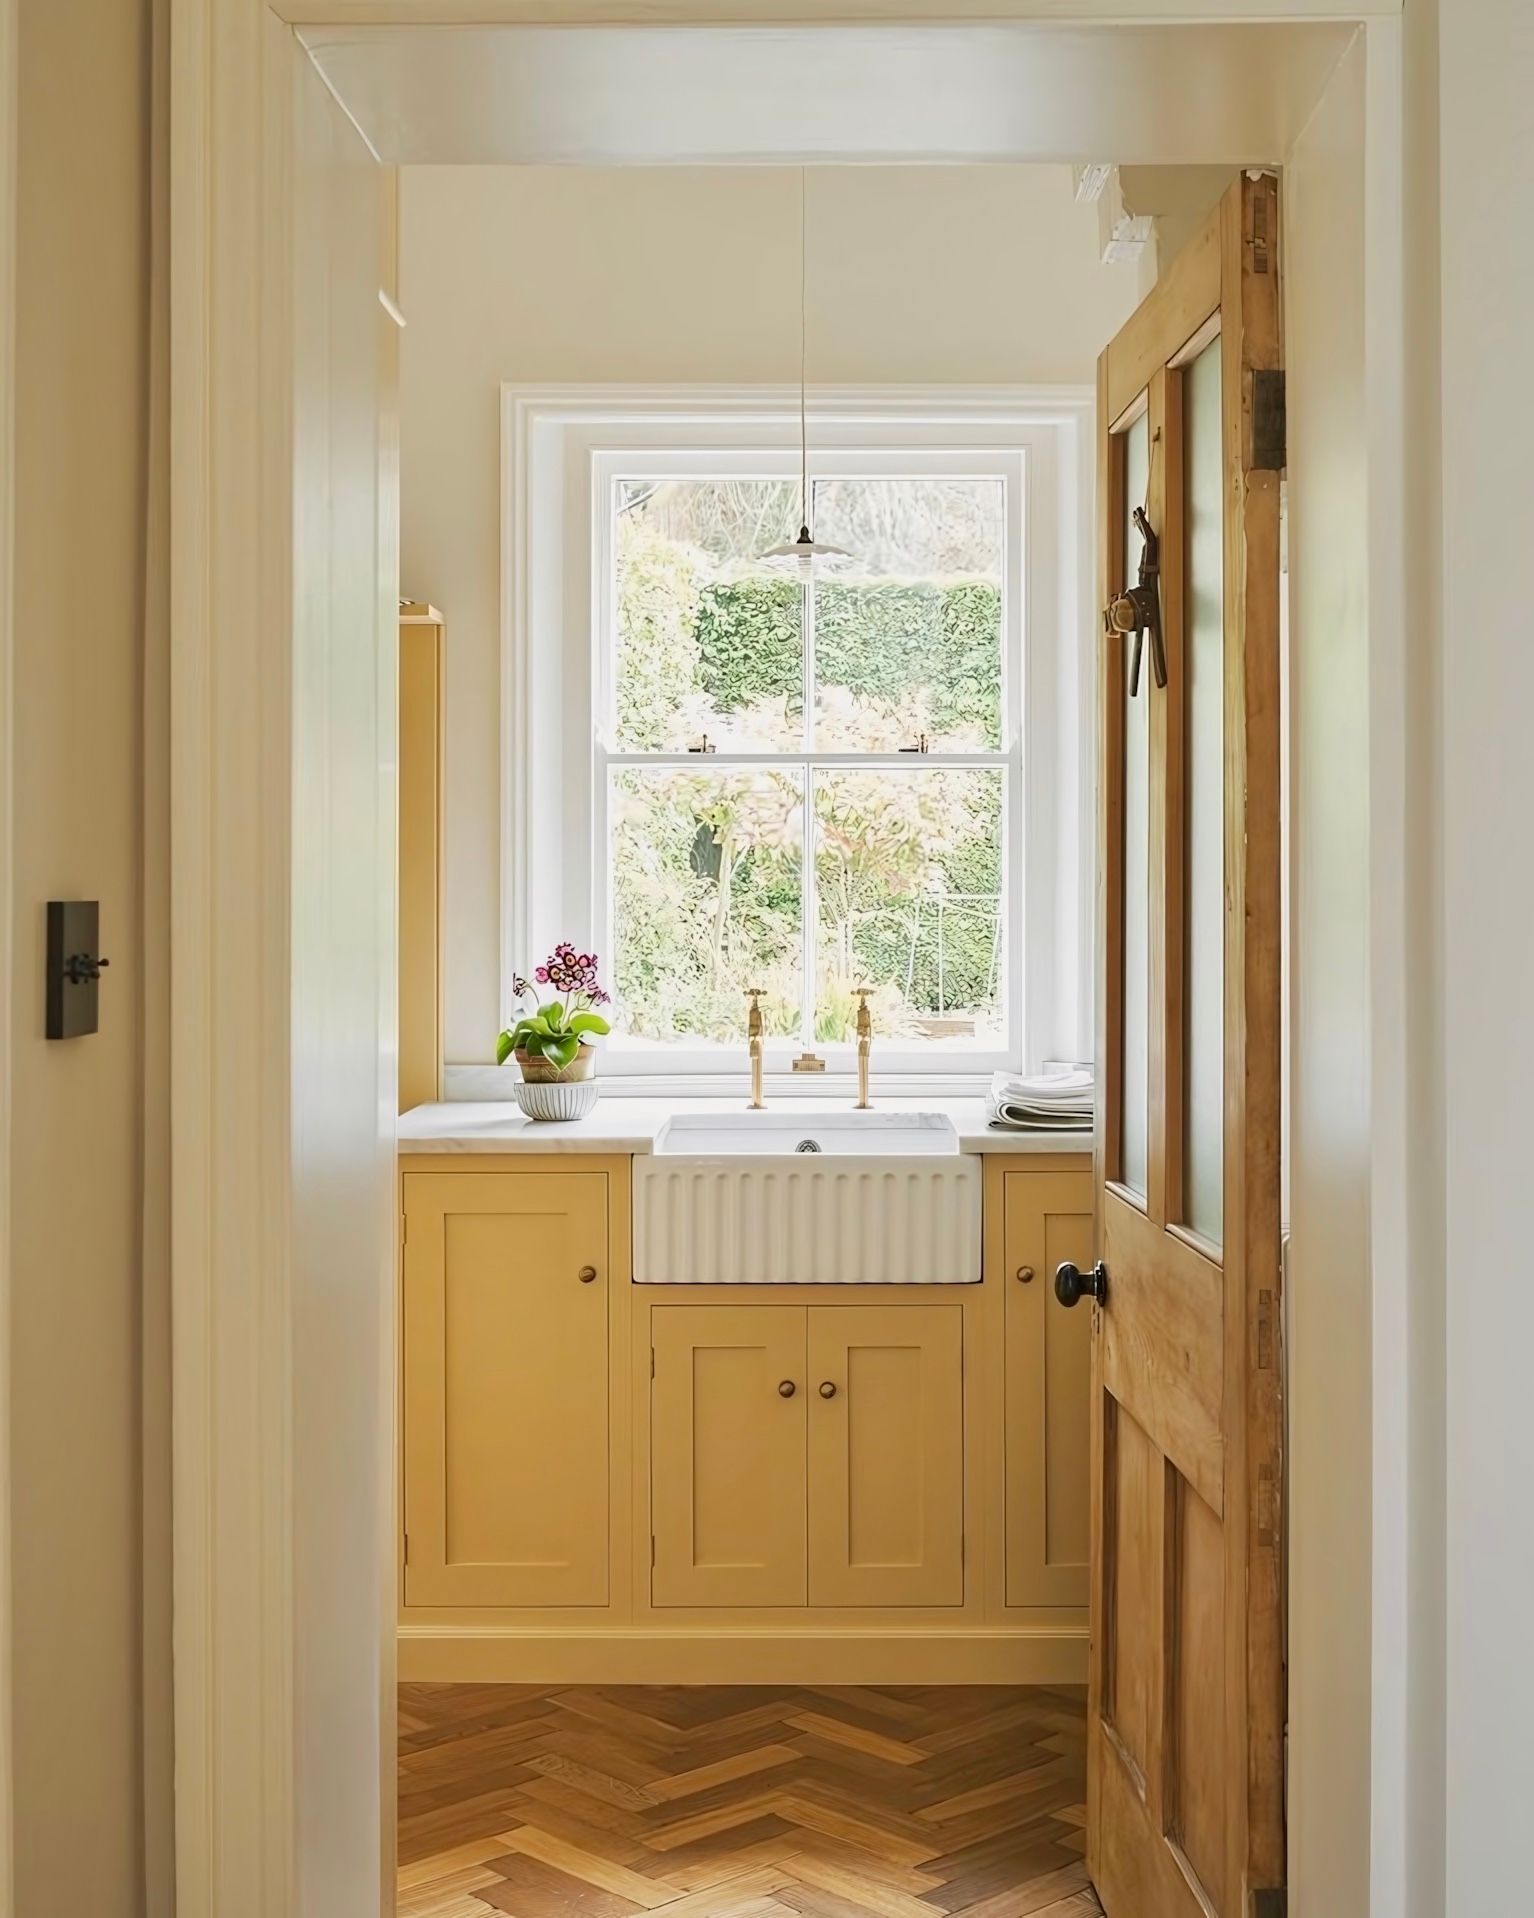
[(538, 1072)]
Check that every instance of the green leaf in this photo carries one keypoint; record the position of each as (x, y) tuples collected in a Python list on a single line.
[(561, 1051), (589, 1022), (504, 1047), (554, 1012)]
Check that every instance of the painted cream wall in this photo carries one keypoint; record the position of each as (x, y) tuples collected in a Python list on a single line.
[(1486, 154), (75, 1407), (555, 274), (1329, 1139)]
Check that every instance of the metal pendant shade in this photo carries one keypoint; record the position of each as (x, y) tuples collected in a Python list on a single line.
[(805, 553)]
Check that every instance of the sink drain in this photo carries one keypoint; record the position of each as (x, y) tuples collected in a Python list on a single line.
[(807, 1145)]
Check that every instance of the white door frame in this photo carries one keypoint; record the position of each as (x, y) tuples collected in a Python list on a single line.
[(232, 1134), (9, 55)]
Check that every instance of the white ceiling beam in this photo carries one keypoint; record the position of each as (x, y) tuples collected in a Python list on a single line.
[(604, 96)]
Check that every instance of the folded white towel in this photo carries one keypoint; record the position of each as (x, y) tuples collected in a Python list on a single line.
[(1058, 1101)]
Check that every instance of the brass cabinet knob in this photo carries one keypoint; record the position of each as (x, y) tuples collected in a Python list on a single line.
[(1025, 1275), (587, 1274), (827, 1389), (786, 1389)]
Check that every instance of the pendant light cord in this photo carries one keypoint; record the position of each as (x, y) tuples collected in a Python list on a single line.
[(804, 431)]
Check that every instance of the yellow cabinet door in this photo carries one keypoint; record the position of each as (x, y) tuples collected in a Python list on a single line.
[(1048, 1217), (505, 1388), (886, 1454), (727, 1455)]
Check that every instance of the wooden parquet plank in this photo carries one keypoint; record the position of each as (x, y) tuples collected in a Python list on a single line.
[(829, 1801)]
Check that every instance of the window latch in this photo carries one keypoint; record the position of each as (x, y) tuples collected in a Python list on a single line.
[(923, 745), (1137, 610), (704, 745)]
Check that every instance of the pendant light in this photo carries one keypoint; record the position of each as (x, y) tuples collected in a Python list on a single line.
[(805, 553)]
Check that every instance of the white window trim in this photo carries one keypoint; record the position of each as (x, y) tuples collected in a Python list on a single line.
[(560, 447)]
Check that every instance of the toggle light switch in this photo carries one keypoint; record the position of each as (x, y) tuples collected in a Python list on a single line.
[(74, 967)]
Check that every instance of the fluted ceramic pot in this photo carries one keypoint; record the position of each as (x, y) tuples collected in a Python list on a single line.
[(552, 1092)]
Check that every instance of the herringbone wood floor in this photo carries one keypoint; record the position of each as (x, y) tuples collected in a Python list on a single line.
[(741, 1802)]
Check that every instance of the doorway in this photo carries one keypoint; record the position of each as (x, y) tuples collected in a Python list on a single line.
[(249, 1477)]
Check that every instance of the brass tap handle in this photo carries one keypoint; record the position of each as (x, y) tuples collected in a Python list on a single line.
[(756, 1045), (865, 1031)]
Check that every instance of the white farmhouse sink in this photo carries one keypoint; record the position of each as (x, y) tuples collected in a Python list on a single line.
[(876, 1135), (796, 1198)]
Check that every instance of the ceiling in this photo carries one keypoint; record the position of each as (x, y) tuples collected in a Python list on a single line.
[(712, 95)]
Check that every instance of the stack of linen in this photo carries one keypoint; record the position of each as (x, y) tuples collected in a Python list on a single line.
[(1058, 1099)]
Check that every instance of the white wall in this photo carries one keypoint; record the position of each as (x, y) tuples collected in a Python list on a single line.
[(84, 1816), (1486, 135), (343, 1105), (984, 275), (1329, 1145)]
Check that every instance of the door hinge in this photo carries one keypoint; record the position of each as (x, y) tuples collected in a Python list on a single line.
[(404, 1227), (652, 1551), (405, 1549), (652, 1361), (1269, 420)]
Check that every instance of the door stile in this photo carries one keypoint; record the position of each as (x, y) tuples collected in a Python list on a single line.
[(1252, 343)]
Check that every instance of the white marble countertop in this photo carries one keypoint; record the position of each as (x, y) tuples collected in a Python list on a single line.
[(630, 1125)]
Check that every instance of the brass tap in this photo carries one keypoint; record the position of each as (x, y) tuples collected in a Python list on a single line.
[(865, 1026), (756, 1045)]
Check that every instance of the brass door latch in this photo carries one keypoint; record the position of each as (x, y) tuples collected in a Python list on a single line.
[(1137, 609)]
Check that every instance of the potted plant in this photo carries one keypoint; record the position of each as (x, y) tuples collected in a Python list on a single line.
[(552, 1042)]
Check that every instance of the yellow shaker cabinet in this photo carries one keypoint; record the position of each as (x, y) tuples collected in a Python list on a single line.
[(727, 1434), (886, 1454), (807, 1455), (505, 1377), (1047, 1218)]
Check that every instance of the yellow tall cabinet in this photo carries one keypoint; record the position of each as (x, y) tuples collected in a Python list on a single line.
[(421, 706)]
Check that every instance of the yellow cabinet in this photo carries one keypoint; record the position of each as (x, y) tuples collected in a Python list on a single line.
[(727, 1486), (807, 1455), (505, 1368), (886, 1454), (1048, 1218)]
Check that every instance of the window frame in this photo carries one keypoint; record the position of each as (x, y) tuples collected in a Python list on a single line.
[(562, 452)]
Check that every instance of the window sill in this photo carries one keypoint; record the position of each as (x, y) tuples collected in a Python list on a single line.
[(492, 1083)]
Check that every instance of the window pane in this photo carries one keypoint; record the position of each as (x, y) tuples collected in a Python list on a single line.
[(1136, 1059), (708, 888), (707, 640), (908, 868), (908, 635), (1204, 797)]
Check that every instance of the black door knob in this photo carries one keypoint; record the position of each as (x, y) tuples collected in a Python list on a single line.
[(1072, 1284)]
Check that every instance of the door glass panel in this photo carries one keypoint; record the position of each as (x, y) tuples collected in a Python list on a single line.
[(1135, 1080), (1204, 802)]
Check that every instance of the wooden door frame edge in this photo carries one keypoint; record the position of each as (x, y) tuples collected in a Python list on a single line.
[(233, 1473), (9, 59)]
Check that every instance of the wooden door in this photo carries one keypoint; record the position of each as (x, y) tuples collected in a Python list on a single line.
[(1047, 1218), (727, 1455), (1187, 1682), (886, 1454), (505, 1388)]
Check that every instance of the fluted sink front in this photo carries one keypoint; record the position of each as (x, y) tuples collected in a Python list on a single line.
[(778, 1198)]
